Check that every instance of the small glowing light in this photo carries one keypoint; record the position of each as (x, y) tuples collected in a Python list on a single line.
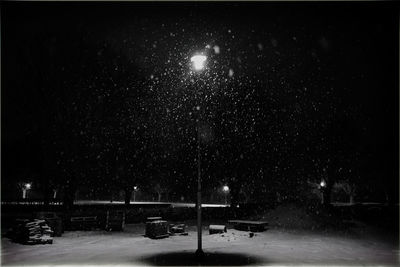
[(323, 183), (28, 186), (135, 188), (216, 49), (198, 61), (225, 188)]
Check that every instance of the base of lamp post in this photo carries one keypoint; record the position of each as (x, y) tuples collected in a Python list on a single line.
[(199, 254)]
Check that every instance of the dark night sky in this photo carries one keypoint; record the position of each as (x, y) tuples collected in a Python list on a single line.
[(287, 83)]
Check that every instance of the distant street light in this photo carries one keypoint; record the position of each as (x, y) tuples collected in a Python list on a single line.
[(25, 189), (322, 187), (198, 62), (135, 188), (225, 189)]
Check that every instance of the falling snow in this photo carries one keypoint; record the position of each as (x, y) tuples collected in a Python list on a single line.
[(216, 49), (280, 101)]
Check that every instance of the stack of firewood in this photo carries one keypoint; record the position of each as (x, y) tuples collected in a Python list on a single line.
[(33, 232)]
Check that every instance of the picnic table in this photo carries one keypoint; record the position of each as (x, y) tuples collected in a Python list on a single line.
[(157, 229), (245, 225)]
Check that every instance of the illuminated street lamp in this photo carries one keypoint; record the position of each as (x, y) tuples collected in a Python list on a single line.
[(198, 62), (225, 189), (135, 188), (322, 186), (25, 189)]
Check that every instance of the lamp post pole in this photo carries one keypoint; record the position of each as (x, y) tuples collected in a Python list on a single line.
[(198, 65), (199, 251)]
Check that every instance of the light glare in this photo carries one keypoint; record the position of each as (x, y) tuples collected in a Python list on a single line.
[(198, 61)]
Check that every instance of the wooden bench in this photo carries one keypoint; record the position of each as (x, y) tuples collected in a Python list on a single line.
[(253, 226)]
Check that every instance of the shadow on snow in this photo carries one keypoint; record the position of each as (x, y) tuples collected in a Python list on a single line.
[(187, 258)]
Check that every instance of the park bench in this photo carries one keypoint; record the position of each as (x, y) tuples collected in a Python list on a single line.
[(83, 222), (253, 226), (216, 229)]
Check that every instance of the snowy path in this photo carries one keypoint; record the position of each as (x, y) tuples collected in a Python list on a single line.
[(232, 248)]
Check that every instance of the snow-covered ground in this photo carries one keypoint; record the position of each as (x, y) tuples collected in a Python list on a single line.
[(276, 247)]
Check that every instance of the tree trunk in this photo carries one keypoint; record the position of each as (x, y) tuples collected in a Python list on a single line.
[(128, 194), (68, 199), (351, 198), (246, 197), (326, 195), (46, 195), (386, 198), (159, 197), (70, 193), (234, 196), (393, 197)]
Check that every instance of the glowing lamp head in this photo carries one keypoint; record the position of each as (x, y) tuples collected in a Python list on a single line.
[(198, 61), (28, 186), (225, 188), (135, 188), (323, 183)]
